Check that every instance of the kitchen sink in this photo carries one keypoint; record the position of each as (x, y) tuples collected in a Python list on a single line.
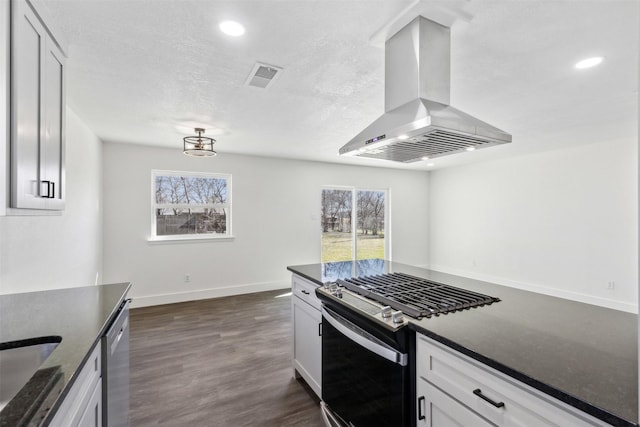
[(19, 360)]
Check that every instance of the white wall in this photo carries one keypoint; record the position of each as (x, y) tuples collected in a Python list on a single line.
[(562, 222), (59, 251), (276, 205)]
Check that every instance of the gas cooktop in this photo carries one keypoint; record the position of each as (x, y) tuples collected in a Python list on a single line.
[(414, 296)]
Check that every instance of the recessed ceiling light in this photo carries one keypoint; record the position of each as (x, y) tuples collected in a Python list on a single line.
[(589, 62), (403, 136), (431, 164), (425, 158), (470, 148), (232, 28)]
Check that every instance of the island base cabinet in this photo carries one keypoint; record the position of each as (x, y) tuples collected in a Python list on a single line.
[(456, 390), (436, 409), (307, 340)]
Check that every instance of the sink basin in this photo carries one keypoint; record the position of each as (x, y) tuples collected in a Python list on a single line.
[(19, 360)]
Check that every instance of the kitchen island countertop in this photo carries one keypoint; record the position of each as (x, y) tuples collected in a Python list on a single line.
[(79, 316), (581, 354)]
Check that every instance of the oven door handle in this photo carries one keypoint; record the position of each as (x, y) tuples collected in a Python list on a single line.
[(361, 337)]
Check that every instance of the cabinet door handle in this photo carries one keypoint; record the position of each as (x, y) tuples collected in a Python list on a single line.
[(421, 416), (48, 184), (319, 329), (51, 189), (478, 393)]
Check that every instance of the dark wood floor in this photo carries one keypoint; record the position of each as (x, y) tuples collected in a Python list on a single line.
[(217, 362)]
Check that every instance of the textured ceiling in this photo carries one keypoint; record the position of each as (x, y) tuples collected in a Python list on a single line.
[(148, 71)]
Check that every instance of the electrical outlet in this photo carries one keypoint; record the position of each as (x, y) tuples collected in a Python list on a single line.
[(187, 278), (611, 285)]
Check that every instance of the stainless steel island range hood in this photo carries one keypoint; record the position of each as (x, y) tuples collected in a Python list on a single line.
[(418, 122)]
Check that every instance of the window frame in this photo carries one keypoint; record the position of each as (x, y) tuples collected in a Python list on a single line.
[(354, 219), (190, 237)]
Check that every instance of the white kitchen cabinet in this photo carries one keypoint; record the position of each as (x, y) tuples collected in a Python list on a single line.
[(436, 409), (456, 390), (82, 406), (92, 416), (37, 112), (307, 329), (5, 25)]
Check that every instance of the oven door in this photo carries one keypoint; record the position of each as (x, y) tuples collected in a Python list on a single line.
[(365, 380)]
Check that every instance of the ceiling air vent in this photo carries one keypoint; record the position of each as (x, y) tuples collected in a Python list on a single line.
[(262, 75)]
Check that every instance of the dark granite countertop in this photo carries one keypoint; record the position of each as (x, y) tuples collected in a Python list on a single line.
[(584, 355), (79, 316)]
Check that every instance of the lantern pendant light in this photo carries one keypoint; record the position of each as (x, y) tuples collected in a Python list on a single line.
[(199, 146)]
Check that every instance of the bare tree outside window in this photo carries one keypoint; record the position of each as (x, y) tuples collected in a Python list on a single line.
[(336, 211), (191, 204), (370, 231), (338, 217)]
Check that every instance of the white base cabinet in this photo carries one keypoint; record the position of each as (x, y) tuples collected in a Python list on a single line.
[(92, 416), (455, 390), (307, 330), (438, 409), (82, 406)]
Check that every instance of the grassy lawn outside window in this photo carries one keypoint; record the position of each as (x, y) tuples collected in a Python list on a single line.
[(353, 233)]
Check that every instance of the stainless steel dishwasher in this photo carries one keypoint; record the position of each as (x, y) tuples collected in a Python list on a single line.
[(115, 371)]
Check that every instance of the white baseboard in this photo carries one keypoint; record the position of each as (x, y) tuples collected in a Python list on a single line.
[(149, 300), (574, 296)]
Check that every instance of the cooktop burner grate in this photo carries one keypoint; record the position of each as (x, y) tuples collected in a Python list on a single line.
[(414, 296)]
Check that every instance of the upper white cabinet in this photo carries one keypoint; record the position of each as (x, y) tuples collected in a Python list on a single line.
[(37, 112), (5, 25)]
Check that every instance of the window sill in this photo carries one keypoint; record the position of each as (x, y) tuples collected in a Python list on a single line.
[(190, 239)]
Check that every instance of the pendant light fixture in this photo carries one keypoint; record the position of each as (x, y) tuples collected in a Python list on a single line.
[(199, 146)]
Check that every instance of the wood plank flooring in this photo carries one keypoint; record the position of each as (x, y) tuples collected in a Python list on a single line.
[(217, 362)]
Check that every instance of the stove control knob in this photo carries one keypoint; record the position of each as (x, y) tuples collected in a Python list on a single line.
[(385, 312), (397, 317)]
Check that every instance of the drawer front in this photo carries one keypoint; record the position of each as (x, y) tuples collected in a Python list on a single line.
[(305, 290), (436, 409), (495, 396)]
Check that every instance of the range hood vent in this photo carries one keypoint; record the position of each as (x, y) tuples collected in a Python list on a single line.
[(418, 122)]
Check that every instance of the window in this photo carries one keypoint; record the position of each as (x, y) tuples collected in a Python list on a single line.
[(349, 233), (190, 205)]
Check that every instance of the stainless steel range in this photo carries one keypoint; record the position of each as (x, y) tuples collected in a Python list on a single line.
[(367, 363)]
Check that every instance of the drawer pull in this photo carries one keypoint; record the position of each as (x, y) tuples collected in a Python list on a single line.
[(478, 393), (305, 292)]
